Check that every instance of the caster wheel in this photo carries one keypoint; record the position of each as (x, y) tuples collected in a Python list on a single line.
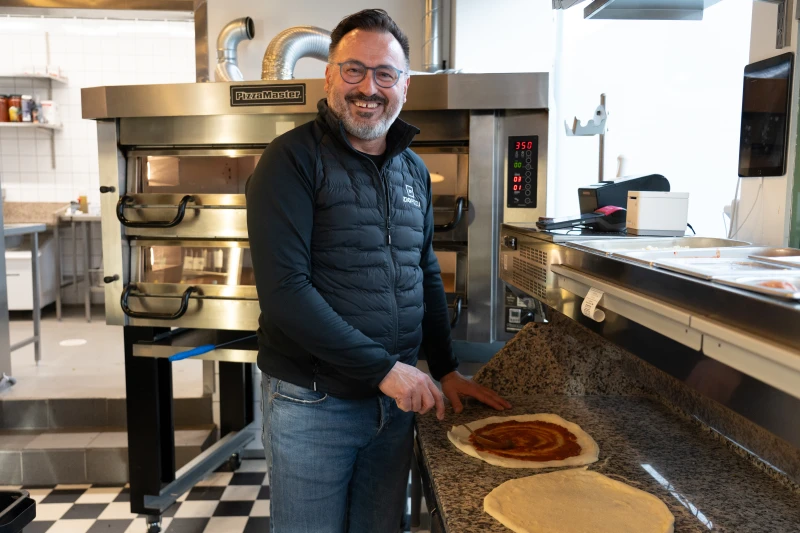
[(153, 524), (235, 462)]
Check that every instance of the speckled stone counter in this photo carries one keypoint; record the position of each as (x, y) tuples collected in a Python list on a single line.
[(643, 443), (33, 212)]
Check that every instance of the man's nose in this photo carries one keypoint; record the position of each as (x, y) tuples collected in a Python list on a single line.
[(368, 85)]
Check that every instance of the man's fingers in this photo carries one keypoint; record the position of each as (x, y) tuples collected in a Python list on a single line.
[(488, 399), (404, 403), (456, 401), (416, 400), (437, 397), (427, 401)]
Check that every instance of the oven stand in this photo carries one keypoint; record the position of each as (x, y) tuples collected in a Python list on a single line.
[(154, 483)]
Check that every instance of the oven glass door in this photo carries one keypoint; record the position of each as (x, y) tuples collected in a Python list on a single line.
[(200, 284), (448, 166), (187, 193)]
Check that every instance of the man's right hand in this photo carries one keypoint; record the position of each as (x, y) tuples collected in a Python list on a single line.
[(413, 390)]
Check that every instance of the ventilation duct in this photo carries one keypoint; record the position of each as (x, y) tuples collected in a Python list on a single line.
[(432, 36), (229, 38), (291, 45)]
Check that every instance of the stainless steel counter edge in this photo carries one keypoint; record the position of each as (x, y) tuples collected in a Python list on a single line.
[(433, 92), (768, 318)]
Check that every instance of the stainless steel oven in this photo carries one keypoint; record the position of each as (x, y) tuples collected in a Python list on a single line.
[(174, 226)]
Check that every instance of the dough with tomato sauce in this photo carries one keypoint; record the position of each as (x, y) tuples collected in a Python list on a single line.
[(588, 453)]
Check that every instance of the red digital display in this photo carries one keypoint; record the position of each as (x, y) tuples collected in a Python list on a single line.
[(517, 187), (523, 145), (517, 178)]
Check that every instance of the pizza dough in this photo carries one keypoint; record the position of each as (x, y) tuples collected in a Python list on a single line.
[(576, 501), (589, 451)]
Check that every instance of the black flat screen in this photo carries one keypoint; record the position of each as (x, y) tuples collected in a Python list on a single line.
[(765, 117)]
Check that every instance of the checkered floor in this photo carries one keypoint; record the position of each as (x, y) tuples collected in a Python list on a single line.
[(224, 502)]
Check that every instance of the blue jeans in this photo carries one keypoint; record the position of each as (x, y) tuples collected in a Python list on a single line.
[(335, 466)]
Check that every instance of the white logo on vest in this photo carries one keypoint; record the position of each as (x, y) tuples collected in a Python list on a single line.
[(410, 198)]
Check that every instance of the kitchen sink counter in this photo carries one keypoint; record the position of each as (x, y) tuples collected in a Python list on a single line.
[(642, 442)]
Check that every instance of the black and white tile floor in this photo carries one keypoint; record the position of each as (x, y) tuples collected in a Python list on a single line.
[(225, 502)]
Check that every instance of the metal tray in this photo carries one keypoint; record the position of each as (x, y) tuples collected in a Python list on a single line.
[(714, 267), (788, 257), (640, 244), (751, 283), (651, 258)]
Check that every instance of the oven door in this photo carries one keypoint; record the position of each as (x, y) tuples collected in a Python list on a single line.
[(191, 283), (449, 170), (192, 194), (453, 263), (448, 166)]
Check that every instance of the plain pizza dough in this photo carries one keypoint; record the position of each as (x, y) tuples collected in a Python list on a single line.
[(576, 501), (459, 436)]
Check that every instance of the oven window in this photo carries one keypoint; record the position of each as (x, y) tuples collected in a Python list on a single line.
[(198, 265), (448, 177), (196, 174), (448, 262)]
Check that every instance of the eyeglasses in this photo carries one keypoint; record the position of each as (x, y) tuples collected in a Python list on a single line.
[(353, 72)]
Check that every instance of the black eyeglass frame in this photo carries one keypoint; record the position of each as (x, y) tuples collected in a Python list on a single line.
[(374, 73)]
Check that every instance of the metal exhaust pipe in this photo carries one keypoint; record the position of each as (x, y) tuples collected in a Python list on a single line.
[(291, 45), (432, 36), (229, 38)]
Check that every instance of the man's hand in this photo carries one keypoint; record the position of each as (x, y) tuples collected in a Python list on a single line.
[(413, 390), (454, 385)]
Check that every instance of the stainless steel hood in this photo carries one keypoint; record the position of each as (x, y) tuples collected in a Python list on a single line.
[(647, 9), (640, 9)]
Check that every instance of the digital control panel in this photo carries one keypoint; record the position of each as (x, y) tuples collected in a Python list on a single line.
[(523, 154)]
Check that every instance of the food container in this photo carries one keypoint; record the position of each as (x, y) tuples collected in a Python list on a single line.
[(49, 112), (652, 257), (779, 284), (15, 108), (27, 108), (780, 256), (3, 108), (616, 246), (714, 267)]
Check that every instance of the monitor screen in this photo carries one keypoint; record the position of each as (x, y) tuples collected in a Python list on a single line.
[(766, 103)]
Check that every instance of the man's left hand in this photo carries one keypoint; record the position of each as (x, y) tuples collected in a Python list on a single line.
[(454, 386)]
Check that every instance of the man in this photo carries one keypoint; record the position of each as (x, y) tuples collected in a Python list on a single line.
[(341, 225)]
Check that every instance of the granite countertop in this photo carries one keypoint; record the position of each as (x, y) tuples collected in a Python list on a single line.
[(642, 443), (33, 212)]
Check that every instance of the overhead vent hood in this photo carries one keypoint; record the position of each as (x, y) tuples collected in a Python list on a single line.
[(640, 9)]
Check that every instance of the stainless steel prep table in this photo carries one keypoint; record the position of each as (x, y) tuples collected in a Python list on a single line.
[(15, 230)]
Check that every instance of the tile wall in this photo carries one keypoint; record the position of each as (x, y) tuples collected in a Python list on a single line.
[(90, 53)]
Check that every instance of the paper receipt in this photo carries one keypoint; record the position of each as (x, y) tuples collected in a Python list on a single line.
[(589, 307)]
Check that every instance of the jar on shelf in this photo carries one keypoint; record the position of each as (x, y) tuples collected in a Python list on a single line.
[(3, 108), (15, 108)]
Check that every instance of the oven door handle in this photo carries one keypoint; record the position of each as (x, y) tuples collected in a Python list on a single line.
[(125, 200), (155, 316), (456, 312), (458, 212)]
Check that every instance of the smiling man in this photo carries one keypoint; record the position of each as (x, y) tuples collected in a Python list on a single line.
[(340, 223)]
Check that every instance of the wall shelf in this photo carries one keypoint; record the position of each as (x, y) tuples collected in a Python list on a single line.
[(52, 127), (35, 75)]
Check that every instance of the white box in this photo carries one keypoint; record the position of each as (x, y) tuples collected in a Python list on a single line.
[(661, 214)]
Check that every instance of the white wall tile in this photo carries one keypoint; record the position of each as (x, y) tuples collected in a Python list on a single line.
[(90, 53)]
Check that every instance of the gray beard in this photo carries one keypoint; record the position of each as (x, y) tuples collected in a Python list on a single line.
[(358, 129)]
